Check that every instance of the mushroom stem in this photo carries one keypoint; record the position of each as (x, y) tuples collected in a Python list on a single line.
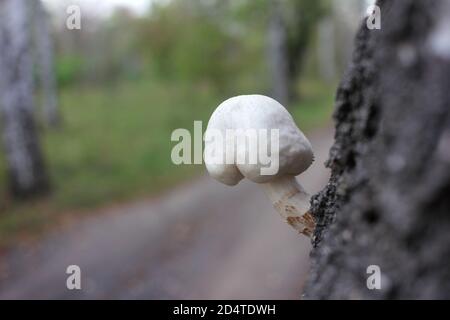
[(292, 203)]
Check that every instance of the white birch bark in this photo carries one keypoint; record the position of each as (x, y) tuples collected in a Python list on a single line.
[(277, 54), (24, 160), (45, 63)]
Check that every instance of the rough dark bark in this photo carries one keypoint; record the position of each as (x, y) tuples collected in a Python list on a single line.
[(387, 202), (26, 170)]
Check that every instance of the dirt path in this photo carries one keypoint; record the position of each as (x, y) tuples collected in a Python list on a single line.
[(202, 240)]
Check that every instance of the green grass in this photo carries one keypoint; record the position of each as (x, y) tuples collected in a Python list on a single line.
[(115, 145), (116, 142), (316, 106)]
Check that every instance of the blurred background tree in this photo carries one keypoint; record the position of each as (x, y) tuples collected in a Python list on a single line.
[(24, 162), (296, 21), (128, 78), (45, 63)]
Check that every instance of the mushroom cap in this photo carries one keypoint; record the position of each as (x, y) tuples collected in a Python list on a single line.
[(256, 112)]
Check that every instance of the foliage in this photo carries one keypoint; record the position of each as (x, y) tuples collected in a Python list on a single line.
[(127, 82), (68, 70), (104, 155)]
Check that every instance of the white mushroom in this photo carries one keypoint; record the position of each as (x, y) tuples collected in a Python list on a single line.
[(294, 154)]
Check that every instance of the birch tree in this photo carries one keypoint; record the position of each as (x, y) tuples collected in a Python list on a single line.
[(25, 165), (326, 50), (44, 58), (386, 210), (277, 42), (291, 23)]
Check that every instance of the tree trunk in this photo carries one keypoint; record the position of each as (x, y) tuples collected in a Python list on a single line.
[(25, 166), (326, 50), (45, 64), (277, 54), (387, 202)]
